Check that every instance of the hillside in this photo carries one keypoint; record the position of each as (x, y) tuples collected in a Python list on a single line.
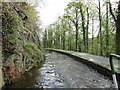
[(21, 47)]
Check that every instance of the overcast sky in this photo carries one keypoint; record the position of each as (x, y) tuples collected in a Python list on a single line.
[(51, 9)]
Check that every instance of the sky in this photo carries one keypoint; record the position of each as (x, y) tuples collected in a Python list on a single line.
[(50, 10)]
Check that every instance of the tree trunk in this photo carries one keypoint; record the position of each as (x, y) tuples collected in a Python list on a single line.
[(87, 30), (100, 30), (64, 40), (76, 26), (107, 32), (69, 41), (118, 30), (92, 32), (45, 39), (83, 27), (76, 38), (117, 23)]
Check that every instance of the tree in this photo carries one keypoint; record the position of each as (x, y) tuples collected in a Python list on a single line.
[(82, 20), (87, 28), (73, 16), (45, 39), (117, 22), (107, 31), (118, 30), (83, 27), (92, 32), (100, 29)]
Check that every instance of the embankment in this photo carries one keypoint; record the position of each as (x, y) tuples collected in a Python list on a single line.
[(96, 66), (21, 47)]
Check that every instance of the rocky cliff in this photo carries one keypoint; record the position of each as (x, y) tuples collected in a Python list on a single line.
[(21, 47)]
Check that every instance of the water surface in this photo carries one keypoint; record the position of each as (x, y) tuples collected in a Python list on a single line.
[(61, 71)]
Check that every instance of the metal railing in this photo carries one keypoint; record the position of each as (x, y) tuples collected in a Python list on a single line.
[(112, 69)]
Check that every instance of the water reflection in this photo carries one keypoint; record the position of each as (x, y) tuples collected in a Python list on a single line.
[(61, 71), (51, 79)]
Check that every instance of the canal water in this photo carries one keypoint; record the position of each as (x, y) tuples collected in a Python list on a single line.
[(61, 71)]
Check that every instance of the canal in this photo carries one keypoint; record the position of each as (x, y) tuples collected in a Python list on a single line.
[(61, 71)]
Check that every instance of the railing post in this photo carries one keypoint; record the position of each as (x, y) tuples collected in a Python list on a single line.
[(113, 70)]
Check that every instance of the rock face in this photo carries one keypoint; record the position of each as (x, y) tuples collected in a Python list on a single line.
[(1, 72), (21, 47)]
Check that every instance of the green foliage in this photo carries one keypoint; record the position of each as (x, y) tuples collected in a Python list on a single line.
[(35, 53), (66, 16), (19, 36), (64, 29), (32, 49)]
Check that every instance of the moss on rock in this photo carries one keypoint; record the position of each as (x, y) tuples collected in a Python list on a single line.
[(22, 49)]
